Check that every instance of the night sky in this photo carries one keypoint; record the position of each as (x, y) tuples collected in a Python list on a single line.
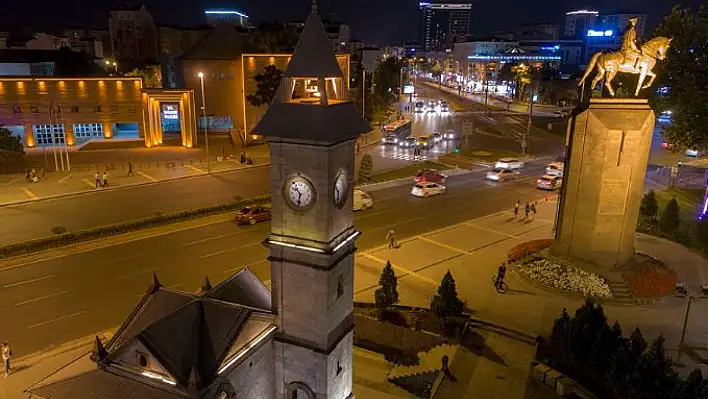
[(374, 21)]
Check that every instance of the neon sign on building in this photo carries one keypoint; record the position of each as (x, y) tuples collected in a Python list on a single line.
[(600, 33)]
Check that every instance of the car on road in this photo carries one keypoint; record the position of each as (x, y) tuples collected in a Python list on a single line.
[(692, 152), (501, 174), (427, 189), (666, 145), (390, 139), (509, 163), (450, 134), (549, 182), (425, 141), (419, 107), (437, 137), (252, 215), (555, 168), (432, 106), (408, 142), (444, 108), (430, 175), (362, 201), (560, 113)]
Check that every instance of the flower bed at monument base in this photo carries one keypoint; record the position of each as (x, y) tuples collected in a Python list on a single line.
[(565, 277), (650, 278), (527, 248)]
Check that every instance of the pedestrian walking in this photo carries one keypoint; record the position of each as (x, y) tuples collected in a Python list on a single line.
[(516, 208), (533, 210), (27, 176), (391, 237), (130, 169), (97, 179), (104, 180), (6, 356), (527, 210)]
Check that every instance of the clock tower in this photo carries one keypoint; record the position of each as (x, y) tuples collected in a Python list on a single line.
[(311, 128)]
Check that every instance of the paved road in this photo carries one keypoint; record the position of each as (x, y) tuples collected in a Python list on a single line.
[(60, 299)]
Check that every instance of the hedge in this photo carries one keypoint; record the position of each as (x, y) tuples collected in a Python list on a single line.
[(527, 248), (157, 220)]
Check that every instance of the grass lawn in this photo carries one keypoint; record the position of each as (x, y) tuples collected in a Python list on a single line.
[(406, 171), (487, 154), (689, 200)]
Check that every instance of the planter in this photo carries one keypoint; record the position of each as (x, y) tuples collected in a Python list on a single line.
[(566, 278)]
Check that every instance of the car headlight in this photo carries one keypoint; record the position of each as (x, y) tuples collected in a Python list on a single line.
[(395, 140)]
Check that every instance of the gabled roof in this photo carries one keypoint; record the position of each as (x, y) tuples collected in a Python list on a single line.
[(314, 55), (102, 384), (243, 288), (223, 42)]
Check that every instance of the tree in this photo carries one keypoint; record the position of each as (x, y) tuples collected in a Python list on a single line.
[(684, 73), (367, 163), (268, 83), (701, 233), (446, 303), (560, 335), (12, 153), (695, 386), (523, 77), (386, 295), (585, 329), (670, 219), (275, 37), (649, 208), (657, 375), (151, 74)]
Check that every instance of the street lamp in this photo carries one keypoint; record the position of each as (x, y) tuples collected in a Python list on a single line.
[(115, 65), (206, 135)]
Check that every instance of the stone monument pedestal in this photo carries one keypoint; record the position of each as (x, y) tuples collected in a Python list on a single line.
[(608, 150)]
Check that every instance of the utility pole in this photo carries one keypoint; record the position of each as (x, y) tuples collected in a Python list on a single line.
[(363, 93), (206, 123), (51, 135), (524, 138), (486, 88), (685, 324)]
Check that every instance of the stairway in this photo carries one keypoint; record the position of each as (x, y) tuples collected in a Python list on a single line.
[(621, 294), (430, 360)]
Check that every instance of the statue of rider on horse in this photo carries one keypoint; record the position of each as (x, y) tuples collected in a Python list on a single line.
[(631, 58)]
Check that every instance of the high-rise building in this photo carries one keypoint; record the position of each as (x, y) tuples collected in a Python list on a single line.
[(134, 36), (539, 31), (443, 23), (619, 21), (578, 22), (231, 17)]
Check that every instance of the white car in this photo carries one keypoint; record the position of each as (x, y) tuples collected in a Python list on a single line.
[(555, 168), (362, 201), (509, 163), (501, 174), (427, 189), (549, 182), (450, 134)]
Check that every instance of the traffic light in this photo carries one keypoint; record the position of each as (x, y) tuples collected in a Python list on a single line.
[(457, 149)]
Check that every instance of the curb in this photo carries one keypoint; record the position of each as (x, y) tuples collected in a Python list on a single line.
[(147, 183), (33, 358), (407, 180)]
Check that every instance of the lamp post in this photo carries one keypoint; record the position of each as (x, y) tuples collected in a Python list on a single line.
[(206, 132)]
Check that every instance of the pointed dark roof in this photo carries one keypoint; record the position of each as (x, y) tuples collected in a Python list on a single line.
[(314, 55), (223, 42), (329, 123), (243, 288)]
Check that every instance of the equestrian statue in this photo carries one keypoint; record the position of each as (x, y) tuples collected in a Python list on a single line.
[(631, 58)]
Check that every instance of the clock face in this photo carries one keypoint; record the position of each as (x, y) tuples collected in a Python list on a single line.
[(340, 188), (299, 192)]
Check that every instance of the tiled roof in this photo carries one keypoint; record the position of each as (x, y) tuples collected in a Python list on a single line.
[(243, 288), (101, 384)]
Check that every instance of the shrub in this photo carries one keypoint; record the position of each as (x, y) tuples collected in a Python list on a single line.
[(365, 169), (527, 248), (670, 220), (446, 303), (649, 208), (650, 279), (387, 294), (58, 229)]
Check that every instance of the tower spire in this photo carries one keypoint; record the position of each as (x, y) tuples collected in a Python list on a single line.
[(314, 6)]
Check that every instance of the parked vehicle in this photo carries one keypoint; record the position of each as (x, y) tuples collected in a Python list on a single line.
[(509, 163), (430, 175), (692, 152), (549, 182), (501, 174), (427, 189), (362, 201), (252, 215), (408, 142), (555, 168)]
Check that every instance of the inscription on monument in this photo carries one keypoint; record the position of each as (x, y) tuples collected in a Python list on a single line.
[(613, 197)]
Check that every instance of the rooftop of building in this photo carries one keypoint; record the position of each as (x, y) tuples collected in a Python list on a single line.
[(21, 55), (223, 42), (192, 338), (128, 7)]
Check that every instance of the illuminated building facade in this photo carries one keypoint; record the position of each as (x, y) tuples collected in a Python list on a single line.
[(578, 22), (46, 112), (230, 17), (444, 23)]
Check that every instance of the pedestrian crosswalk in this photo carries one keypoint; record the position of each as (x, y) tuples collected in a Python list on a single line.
[(404, 156)]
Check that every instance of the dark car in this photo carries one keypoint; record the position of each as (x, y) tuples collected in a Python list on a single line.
[(390, 139), (430, 175), (408, 142), (252, 215)]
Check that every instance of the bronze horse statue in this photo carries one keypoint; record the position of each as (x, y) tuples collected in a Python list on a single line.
[(609, 63)]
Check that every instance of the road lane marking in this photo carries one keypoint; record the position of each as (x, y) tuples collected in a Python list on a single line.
[(34, 280), (406, 271), (44, 323), (450, 247), (29, 193), (194, 168), (12, 181), (137, 273), (41, 298), (110, 262), (233, 269), (65, 178), (229, 250), (89, 183), (216, 237), (145, 175)]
